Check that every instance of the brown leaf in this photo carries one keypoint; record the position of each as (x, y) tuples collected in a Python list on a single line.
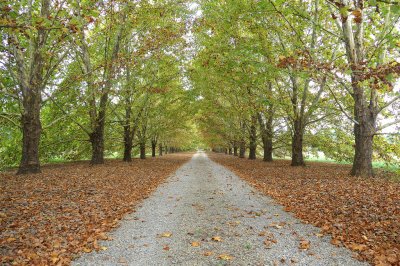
[(76, 197), (122, 260), (357, 247), (268, 243), (304, 244)]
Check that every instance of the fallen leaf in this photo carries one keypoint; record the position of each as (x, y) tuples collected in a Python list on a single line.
[(207, 253), (304, 244), (216, 238), (268, 243), (166, 234), (166, 247), (225, 257), (335, 242), (122, 260), (357, 247), (195, 244)]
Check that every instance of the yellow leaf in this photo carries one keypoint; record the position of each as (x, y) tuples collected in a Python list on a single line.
[(166, 234), (87, 250), (207, 253), (225, 257), (195, 244), (216, 238)]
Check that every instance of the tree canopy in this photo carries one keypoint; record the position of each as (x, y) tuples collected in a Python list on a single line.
[(91, 79)]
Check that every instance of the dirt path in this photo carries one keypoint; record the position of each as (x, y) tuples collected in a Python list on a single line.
[(206, 215)]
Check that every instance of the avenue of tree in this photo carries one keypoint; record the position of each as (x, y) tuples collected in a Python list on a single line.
[(90, 79)]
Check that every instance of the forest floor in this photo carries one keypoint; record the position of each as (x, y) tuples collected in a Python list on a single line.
[(51, 217), (202, 215), (360, 214), (206, 215)]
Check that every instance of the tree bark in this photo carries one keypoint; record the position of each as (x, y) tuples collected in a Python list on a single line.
[(267, 134), (297, 144), (153, 148), (160, 149), (230, 150), (253, 138), (128, 136), (31, 83), (267, 150), (242, 149), (97, 135), (364, 133), (362, 163), (235, 150), (365, 109), (31, 131), (127, 149), (142, 150)]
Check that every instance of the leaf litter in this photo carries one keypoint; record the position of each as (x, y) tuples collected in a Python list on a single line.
[(49, 218), (360, 214)]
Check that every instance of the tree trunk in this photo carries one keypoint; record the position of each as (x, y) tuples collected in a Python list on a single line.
[(297, 144), (242, 149), (362, 163), (31, 131), (235, 150), (153, 148), (31, 84), (127, 146), (166, 149), (97, 141), (142, 150), (365, 109), (267, 132), (253, 138), (160, 149), (128, 136), (363, 133), (267, 150), (97, 135), (230, 150)]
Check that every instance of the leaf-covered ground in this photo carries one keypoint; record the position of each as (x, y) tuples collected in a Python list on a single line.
[(51, 217), (361, 214)]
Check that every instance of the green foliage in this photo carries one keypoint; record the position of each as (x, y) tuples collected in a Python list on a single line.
[(196, 79)]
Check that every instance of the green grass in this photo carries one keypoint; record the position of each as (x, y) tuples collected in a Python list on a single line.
[(377, 165)]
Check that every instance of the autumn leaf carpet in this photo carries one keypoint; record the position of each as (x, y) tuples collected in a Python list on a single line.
[(206, 215)]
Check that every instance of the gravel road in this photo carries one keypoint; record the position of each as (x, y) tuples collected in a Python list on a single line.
[(206, 215)]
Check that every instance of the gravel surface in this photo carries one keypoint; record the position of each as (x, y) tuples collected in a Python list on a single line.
[(205, 200)]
